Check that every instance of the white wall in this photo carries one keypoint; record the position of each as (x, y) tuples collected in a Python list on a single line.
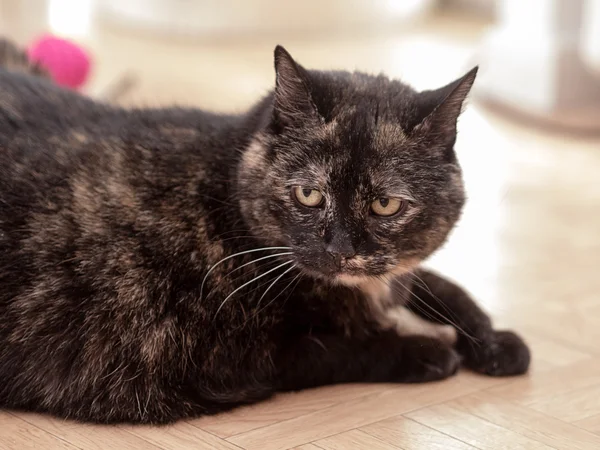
[(590, 46)]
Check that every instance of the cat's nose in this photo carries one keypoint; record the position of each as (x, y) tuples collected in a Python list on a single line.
[(340, 253)]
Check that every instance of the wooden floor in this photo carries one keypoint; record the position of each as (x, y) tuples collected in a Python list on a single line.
[(528, 247)]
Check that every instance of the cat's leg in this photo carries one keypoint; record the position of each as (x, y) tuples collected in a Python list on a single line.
[(484, 350), (385, 356)]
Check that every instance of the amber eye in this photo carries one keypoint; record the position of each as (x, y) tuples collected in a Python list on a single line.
[(307, 196), (387, 206)]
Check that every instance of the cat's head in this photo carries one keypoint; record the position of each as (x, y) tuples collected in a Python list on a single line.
[(356, 173)]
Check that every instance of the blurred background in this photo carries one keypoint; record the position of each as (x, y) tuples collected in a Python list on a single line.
[(528, 245)]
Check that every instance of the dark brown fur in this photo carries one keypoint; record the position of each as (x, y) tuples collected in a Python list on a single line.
[(111, 219)]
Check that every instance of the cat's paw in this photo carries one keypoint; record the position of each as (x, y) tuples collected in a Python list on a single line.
[(426, 359), (504, 354)]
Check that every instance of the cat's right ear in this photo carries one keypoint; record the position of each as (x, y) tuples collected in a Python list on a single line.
[(440, 108), (293, 104)]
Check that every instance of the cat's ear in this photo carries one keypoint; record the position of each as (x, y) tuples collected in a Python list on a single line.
[(441, 108), (293, 104)]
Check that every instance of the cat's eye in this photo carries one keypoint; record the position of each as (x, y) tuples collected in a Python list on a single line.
[(386, 207), (307, 196)]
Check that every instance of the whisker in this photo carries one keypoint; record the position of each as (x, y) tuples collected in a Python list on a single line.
[(275, 298), (247, 236), (260, 286), (238, 230), (299, 279), (444, 318), (423, 311), (218, 200), (390, 284), (233, 256), (259, 259), (243, 275), (422, 283), (251, 281), (234, 280), (272, 284)]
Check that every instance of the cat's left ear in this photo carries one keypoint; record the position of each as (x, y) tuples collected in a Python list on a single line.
[(293, 104), (442, 107)]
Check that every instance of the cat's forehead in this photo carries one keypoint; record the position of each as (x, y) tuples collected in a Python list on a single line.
[(358, 97), (367, 127), (368, 144), (389, 136), (347, 157)]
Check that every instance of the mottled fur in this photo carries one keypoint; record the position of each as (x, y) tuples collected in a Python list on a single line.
[(110, 220)]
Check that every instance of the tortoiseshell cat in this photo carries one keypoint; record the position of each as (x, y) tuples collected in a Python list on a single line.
[(161, 264)]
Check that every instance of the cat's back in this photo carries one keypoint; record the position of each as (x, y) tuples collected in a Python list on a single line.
[(44, 131), (34, 105), (36, 113), (47, 133)]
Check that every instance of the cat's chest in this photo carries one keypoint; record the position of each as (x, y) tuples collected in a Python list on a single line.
[(387, 304), (381, 295)]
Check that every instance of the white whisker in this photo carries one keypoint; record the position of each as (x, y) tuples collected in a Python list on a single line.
[(273, 283), (441, 317), (259, 259), (420, 282), (281, 292), (233, 256), (247, 264), (251, 281)]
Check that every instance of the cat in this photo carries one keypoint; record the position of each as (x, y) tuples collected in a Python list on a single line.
[(161, 264)]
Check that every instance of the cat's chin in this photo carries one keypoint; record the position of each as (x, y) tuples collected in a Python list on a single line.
[(338, 278), (357, 278), (350, 280), (354, 280)]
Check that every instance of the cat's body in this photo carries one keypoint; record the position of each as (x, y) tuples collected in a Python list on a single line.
[(115, 301)]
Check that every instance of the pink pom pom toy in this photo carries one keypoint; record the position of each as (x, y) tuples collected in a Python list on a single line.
[(67, 63)]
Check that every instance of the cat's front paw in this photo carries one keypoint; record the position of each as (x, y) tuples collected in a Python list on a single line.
[(503, 354), (426, 359)]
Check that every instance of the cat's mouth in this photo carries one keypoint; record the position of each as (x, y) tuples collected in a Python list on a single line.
[(350, 272), (355, 273)]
